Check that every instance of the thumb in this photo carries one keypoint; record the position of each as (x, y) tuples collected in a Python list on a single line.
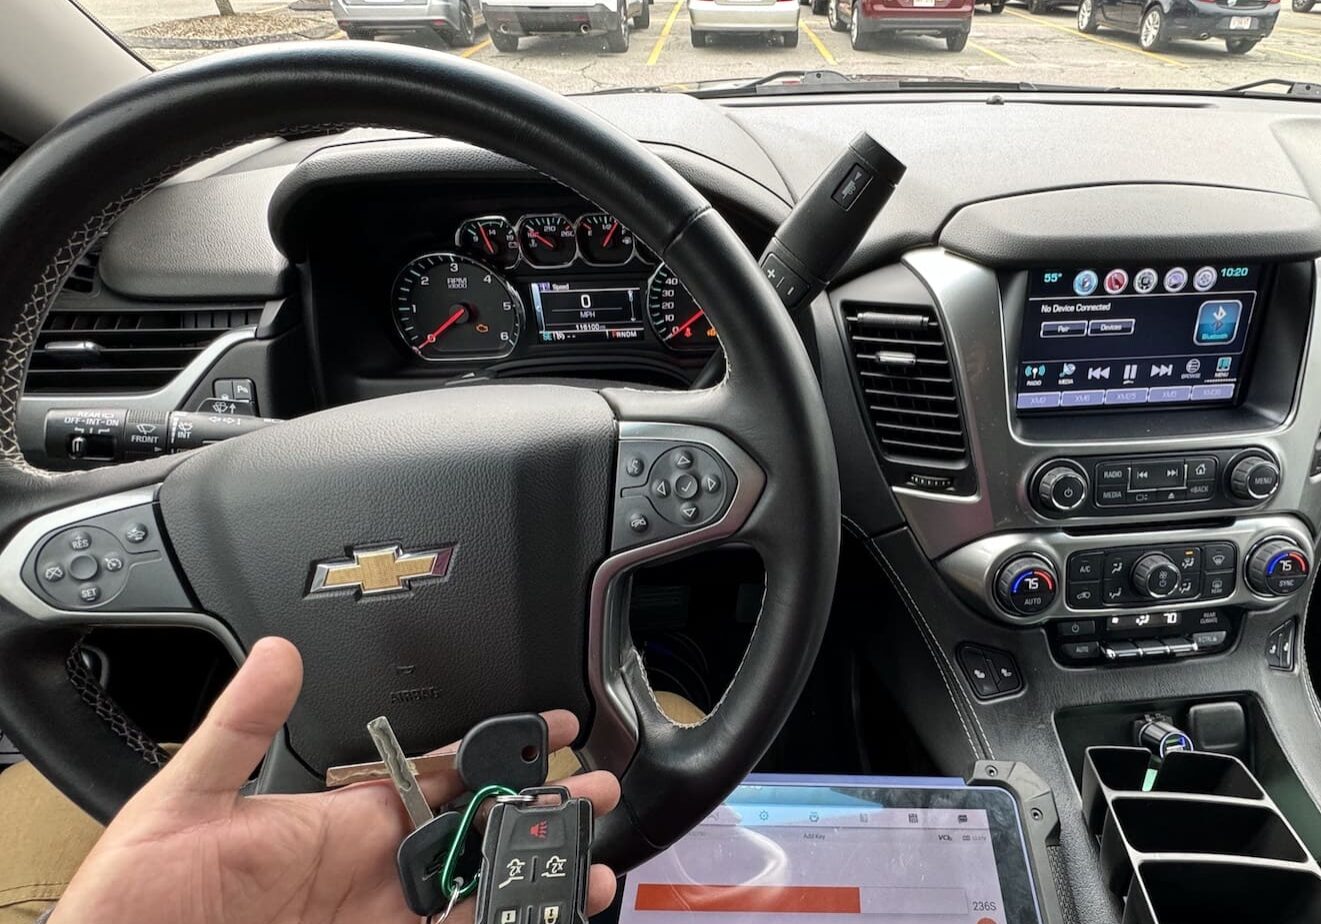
[(221, 754)]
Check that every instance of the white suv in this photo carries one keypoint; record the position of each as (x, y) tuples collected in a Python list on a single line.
[(509, 20)]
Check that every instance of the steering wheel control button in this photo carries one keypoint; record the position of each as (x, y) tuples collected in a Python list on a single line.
[(1062, 488), (1026, 585), (990, 671), (83, 567), (1155, 576), (1254, 478), (107, 573), (635, 466), (136, 533), (1277, 567), (685, 486)]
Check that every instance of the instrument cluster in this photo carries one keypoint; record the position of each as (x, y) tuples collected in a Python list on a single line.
[(538, 280)]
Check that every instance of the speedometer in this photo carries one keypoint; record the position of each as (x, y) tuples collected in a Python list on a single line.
[(677, 319), (448, 306)]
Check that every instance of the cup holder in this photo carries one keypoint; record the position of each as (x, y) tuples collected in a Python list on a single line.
[(1206, 775), (1197, 826), (1192, 892)]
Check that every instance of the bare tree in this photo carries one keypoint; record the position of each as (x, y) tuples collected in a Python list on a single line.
[(226, 7)]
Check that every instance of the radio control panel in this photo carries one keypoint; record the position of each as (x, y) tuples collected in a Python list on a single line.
[(1123, 485)]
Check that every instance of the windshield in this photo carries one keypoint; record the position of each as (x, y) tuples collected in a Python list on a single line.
[(758, 46)]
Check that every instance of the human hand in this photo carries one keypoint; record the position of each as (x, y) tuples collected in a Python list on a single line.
[(188, 849)]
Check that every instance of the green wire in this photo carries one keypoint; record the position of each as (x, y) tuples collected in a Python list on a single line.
[(447, 878)]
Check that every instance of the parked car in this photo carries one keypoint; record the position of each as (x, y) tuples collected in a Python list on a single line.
[(1303, 6), (864, 20), (997, 6), (1041, 7), (743, 17), (1241, 23), (510, 20), (455, 21)]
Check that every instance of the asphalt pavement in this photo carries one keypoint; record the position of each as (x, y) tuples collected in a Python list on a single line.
[(1011, 46)]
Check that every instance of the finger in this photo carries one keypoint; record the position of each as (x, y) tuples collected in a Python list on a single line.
[(600, 787), (600, 888), (444, 785), (234, 736)]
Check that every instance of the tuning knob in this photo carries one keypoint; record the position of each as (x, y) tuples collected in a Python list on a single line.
[(1277, 567), (1026, 585), (1254, 478), (1062, 488), (1156, 576)]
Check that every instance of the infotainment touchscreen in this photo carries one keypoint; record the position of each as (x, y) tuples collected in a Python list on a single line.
[(1136, 336), (823, 850)]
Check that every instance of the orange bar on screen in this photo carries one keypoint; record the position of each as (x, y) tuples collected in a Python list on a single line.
[(770, 899)]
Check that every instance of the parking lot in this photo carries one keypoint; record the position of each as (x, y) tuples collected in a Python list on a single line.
[(1013, 45)]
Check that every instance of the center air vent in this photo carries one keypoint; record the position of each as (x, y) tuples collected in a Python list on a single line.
[(909, 393), (89, 351)]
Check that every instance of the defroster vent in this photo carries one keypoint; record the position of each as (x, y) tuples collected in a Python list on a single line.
[(910, 395)]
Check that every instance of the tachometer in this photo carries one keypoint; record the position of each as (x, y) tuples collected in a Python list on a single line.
[(449, 306), (491, 239), (547, 240), (602, 240), (675, 317)]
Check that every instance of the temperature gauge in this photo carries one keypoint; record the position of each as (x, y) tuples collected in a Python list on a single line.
[(547, 240), (491, 239)]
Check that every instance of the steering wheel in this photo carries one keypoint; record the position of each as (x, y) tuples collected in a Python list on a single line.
[(507, 517)]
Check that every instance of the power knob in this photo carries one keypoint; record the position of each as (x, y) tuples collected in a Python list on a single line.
[(1156, 576), (1026, 585), (1277, 567), (1254, 478), (1061, 488)]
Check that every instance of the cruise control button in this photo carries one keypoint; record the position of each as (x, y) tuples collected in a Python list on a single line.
[(136, 533), (685, 486), (89, 594), (83, 567), (689, 512), (80, 541), (53, 572), (112, 563)]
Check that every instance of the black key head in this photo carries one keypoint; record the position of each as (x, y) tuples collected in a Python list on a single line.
[(508, 750)]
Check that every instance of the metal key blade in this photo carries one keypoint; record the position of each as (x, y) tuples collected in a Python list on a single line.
[(401, 771), (346, 774)]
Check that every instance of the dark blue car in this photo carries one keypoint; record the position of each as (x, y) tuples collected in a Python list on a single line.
[(1240, 23)]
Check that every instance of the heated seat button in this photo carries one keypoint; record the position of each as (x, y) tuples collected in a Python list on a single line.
[(1005, 670), (980, 674)]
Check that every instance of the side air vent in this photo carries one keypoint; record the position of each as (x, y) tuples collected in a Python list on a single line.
[(909, 393), (86, 351), (84, 279)]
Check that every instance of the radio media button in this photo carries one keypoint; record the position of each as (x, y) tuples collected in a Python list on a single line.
[(1202, 491), (1111, 496), (1165, 473), (1111, 473), (1201, 468), (1086, 566)]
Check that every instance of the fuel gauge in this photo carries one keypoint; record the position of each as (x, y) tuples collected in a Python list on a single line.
[(603, 241), (491, 239)]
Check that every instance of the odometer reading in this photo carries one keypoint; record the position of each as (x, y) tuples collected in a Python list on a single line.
[(677, 319), (448, 306)]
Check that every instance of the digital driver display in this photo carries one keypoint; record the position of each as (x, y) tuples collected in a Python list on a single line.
[(1135, 336), (833, 851), (569, 311)]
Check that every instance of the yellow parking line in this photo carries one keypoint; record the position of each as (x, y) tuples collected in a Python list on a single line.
[(1298, 31), (992, 54), (665, 33), (469, 52), (820, 46), (1293, 54), (1092, 38)]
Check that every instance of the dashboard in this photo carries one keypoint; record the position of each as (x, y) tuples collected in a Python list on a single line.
[(1074, 399)]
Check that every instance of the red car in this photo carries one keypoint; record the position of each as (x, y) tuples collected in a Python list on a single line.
[(865, 19)]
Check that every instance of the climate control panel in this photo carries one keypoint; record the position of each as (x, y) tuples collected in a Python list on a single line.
[(1138, 575), (1124, 485)]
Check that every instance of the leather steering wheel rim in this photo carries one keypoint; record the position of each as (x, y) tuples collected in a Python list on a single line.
[(63, 194)]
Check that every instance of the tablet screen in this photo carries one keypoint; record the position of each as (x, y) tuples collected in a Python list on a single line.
[(816, 850)]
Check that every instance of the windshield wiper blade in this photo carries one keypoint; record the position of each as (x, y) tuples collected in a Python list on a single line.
[(1290, 87), (788, 83)]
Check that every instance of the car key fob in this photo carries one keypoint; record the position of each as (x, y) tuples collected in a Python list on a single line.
[(505, 750), (420, 859), (535, 858)]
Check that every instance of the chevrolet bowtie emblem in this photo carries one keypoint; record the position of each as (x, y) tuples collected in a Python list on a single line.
[(381, 570)]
